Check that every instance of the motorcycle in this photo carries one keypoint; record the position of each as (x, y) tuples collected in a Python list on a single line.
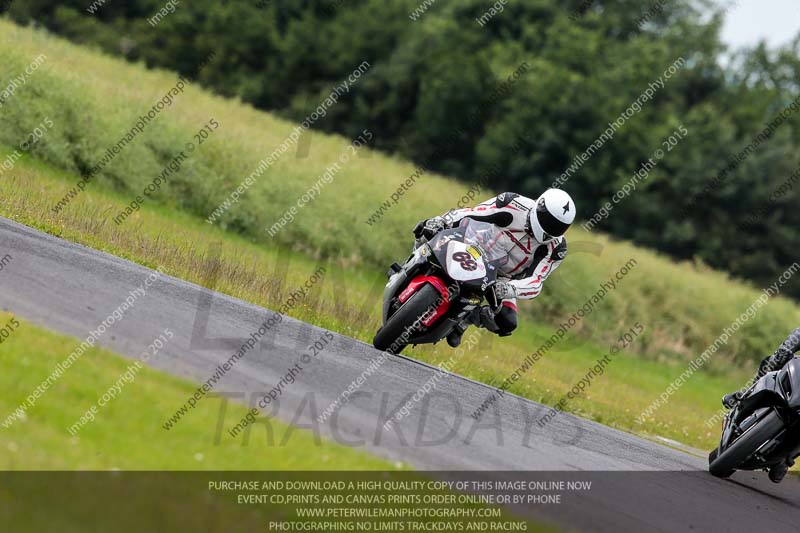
[(763, 428), (441, 286)]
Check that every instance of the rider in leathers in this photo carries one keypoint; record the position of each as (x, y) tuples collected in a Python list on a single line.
[(534, 243), (776, 361)]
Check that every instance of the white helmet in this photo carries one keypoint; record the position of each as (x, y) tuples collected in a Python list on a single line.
[(551, 218)]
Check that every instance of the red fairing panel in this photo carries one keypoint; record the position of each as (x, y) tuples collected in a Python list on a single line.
[(439, 285)]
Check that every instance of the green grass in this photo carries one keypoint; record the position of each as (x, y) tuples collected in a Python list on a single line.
[(127, 433), (92, 99)]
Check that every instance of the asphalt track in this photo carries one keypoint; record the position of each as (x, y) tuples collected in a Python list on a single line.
[(641, 485)]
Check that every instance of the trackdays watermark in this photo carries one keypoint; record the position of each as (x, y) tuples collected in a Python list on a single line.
[(529, 362), (376, 363), (268, 325), (423, 430), (430, 384)]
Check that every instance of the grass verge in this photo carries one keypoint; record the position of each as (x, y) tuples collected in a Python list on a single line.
[(127, 432)]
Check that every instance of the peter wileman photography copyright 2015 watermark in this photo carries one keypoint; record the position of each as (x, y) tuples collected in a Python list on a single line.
[(748, 314)]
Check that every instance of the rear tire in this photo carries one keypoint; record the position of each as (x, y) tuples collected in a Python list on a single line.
[(416, 306), (724, 464)]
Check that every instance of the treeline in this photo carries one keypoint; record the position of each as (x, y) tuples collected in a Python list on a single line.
[(454, 86)]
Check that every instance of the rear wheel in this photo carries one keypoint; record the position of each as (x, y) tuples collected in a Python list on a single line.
[(724, 464), (389, 337)]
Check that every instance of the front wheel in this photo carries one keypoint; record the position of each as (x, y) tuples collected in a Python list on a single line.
[(724, 464), (393, 336)]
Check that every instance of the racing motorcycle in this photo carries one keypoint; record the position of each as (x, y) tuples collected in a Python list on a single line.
[(763, 428), (441, 286)]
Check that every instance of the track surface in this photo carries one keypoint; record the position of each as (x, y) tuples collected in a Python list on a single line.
[(71, 289)]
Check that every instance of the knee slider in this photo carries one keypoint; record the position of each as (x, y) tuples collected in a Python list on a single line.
[(506, 320)]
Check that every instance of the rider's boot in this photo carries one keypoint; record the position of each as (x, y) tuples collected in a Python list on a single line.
[(778, 472), (454, 337)]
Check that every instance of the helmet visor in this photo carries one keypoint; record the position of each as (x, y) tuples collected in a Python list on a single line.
[(550, 224)]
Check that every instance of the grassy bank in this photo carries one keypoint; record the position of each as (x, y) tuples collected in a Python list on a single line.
[(93, 100)]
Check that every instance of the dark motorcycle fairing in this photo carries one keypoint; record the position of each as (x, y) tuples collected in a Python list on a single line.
[(777, 391)]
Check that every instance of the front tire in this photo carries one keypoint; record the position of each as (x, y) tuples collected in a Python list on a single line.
[(388, 338), (724, 464)]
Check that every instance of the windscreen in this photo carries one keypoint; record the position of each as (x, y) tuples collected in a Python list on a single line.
[(487, 238)]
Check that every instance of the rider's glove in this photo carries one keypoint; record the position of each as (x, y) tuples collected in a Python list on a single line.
[(504, 291), (434, 225), (430, 227)]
